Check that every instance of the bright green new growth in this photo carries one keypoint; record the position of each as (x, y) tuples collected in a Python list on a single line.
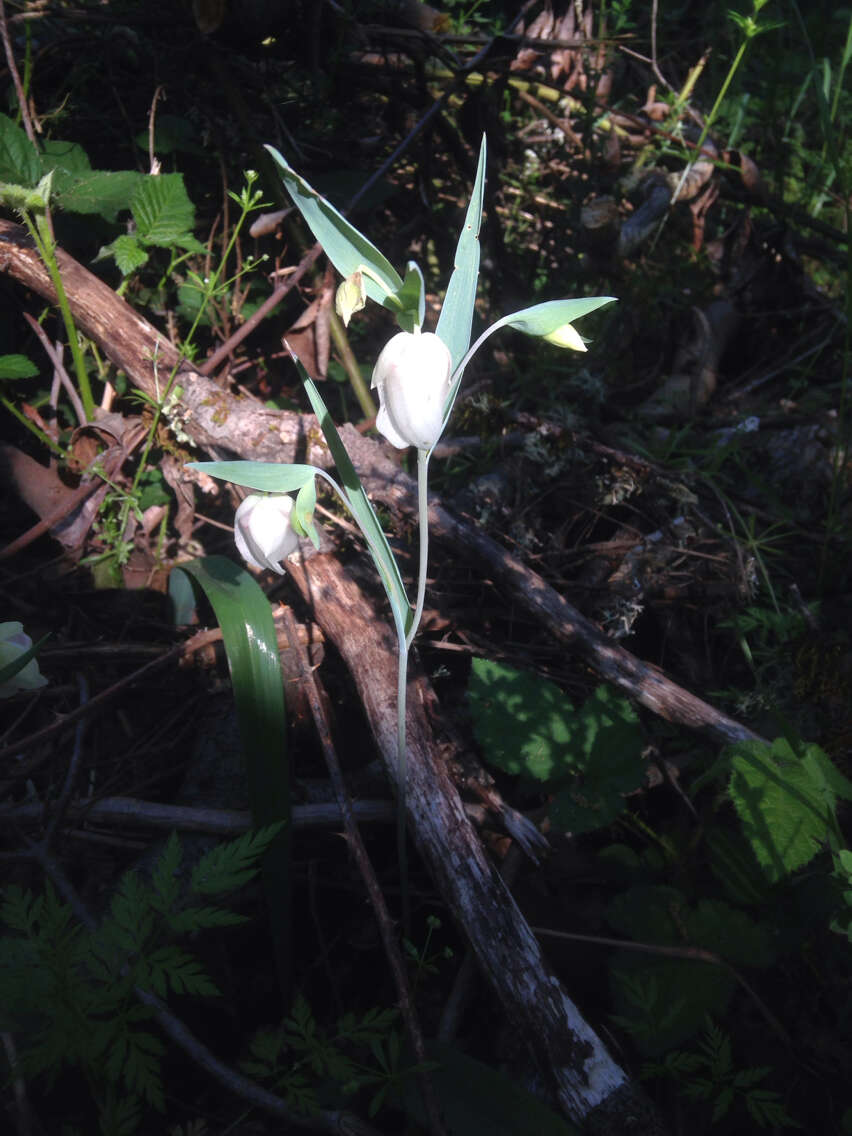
[(365, 268)]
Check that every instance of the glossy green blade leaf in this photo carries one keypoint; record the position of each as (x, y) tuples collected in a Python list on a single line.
[(539, 320), (268, 477), (544, 319), (303, 513), (456, 317), (412, 296), (345, 247), (248, 632), (362, 510)]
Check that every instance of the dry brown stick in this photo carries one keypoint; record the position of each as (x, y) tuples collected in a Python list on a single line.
[(356, 844), (590, 1086), (133, 812), (23, 106), (12, 751)]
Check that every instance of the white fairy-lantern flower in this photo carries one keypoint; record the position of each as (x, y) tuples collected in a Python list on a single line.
[(412, 376), (263, 531)]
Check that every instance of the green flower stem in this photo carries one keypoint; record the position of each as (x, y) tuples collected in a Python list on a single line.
[(40, 233), (423, 518), (402, 778), (350, 365)]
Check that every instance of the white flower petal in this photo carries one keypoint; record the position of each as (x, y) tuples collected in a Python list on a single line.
[(412, 376), (263, 533)]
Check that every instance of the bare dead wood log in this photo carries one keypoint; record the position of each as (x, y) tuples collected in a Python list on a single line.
[(222, 422), (591, 1087)]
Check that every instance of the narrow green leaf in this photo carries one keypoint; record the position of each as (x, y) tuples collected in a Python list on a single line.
[(362, 510), (268, 477), (344, 245), (303, 513), (544, 319), (412, 296), (456, 317), (251, 644)]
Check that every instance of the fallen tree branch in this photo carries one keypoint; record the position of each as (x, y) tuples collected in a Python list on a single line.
[(591, 1088)]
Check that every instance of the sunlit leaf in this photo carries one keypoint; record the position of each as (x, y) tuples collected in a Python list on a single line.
[(456, 317), (344, 245)]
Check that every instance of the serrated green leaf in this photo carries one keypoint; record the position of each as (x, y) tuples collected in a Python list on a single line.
[(786, 811), (527, 725), (103, 192), (192, 919), (127, 253), (162, 210), (524, 723), (343, 244), (17, 367), (229, 866), (19, 160)]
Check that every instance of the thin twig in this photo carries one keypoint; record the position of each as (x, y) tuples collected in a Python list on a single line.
[(55, 357), (135, 812), (377, 900), (66, 720), (73, 768), (697, 954), (16, 78)]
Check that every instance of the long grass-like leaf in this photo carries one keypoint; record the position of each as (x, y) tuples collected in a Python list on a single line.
[(362, 510), (544, 319), (251, 645), (456, 317), (268, 477), (344, 245)]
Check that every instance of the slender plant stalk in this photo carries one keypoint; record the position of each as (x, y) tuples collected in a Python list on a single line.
[(46, 249), (423, 517), (350, 365), (402, 777)]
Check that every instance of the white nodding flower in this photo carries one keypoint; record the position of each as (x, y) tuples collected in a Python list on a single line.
[(263, 531), (13, 643), (412, 376)]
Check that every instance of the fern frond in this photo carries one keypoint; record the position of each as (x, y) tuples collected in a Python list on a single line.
[(228, 867)]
